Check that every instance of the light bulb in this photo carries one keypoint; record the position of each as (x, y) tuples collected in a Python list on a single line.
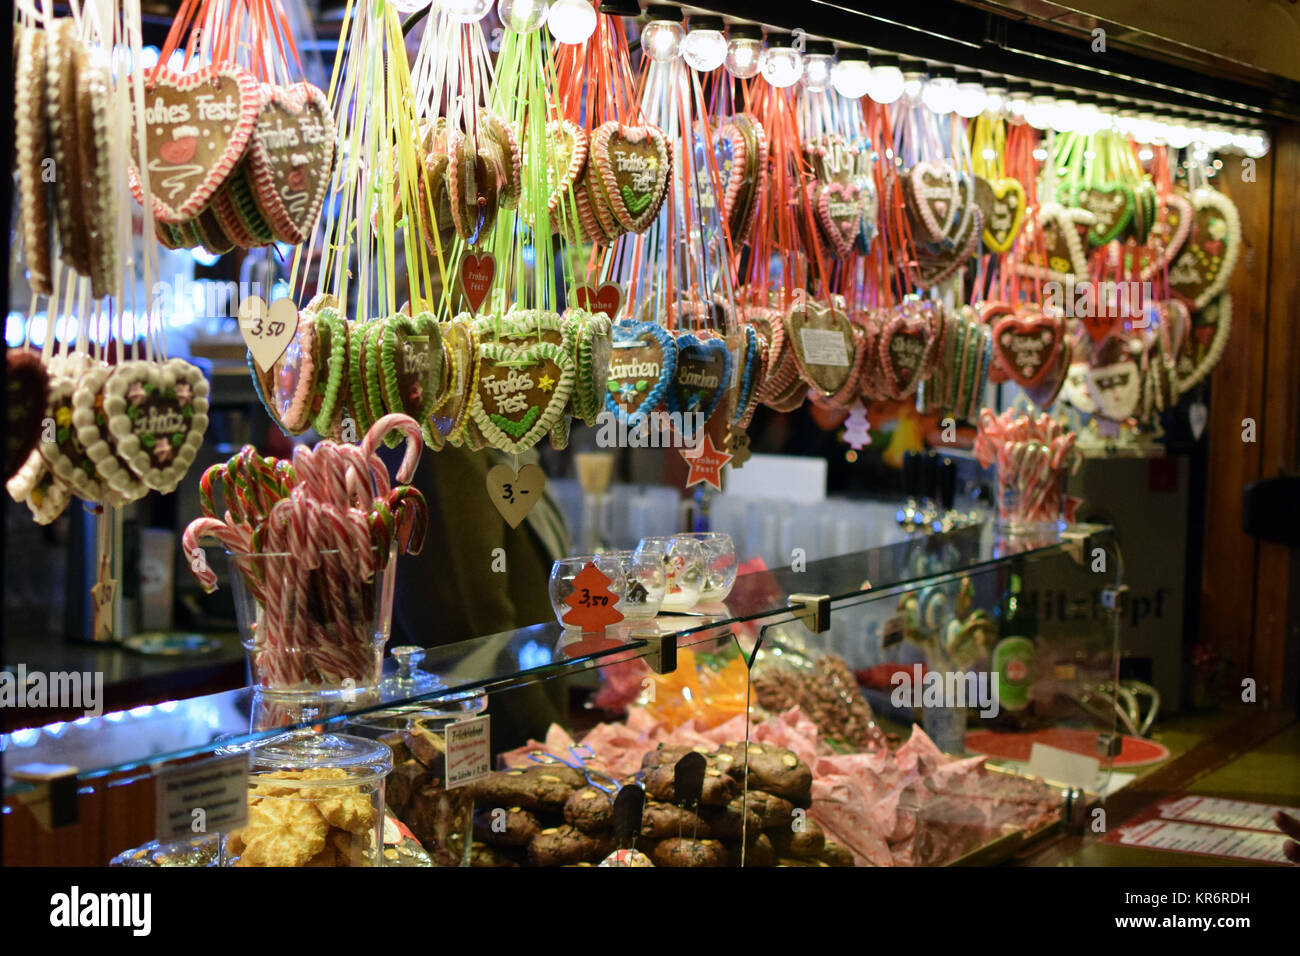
[(705, 47), (781, 65), (1256, 144), (995, 101), (818, 60), (851, 76), (744, 50), (466, 11), (1178, 134), (913, 84), (968, 99), (523, 16), (571, 21), (1038, 113), (939, 93), (1088, 118), (662, 37), (1017, 103), (886, 84), (1065, 116)]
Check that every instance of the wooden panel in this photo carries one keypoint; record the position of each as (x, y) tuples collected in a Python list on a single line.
[(1237, 389), (1278, 431)]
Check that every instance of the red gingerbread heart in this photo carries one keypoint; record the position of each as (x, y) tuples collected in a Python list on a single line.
[(1026, 346), (905, 346)]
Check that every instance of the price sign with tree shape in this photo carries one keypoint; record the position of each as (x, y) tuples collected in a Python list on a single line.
[(592, 604)]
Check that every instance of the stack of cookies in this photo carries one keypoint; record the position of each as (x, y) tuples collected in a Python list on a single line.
[(415, 793), (313, 823)]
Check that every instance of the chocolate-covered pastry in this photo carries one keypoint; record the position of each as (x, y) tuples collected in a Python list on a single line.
[(758, 852), (835, 855), (680, 851), (501, 826), (773, 769), (718, 787), (804, 843), (562, 845), (590, 809), (735, 818), (662, 820)]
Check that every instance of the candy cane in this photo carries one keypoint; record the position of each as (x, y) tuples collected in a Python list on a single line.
[(409, 427)]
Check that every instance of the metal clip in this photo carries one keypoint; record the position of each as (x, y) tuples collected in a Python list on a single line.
[(1108, 745), (53, 797), (662, 658), (813, 611)]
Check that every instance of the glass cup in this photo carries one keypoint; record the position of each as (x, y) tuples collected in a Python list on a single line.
[(644, 584), (683, 563), (719, 565), (562, 586), (314, 624)]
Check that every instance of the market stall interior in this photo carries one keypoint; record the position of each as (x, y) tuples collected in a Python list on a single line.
[(567, 434)]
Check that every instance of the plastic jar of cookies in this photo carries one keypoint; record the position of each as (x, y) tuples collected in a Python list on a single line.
[(313, 803)]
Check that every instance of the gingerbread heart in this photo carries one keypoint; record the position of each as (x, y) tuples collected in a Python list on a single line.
[(197, 126), (753, 349), (839, 213), (702, 377), (1173, 224), (743, 189), (1059, 255), (935, 199), (1205, 342), (589, 338), (65, 454), (1026, 346), (411, 363), (1002, 205), (522, 392), (868, 224), (157, 414), (1112, 208), (822, 344), (905, 349), (641, 369), (567, 157), (935, 264), (632, 166), (27, 387), (1045, 393), (1209, 255), (291, 156)]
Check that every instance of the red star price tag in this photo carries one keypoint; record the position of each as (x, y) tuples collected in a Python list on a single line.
[(706, 463)]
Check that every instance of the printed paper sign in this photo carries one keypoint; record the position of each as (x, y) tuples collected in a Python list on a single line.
[(210, 797), (468, 751), (1062, 766), (824, 347)]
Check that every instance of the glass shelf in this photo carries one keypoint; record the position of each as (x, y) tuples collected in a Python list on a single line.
[(135, 741)]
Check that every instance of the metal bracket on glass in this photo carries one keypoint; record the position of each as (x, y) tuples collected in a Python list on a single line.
[(1115, 598), (662, 650), (53, 797), (1074, 809), (813, 611), (1108, 745)]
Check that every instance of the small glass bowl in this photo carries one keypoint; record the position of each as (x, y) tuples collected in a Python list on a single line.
[(719, 565), (683, 563), (564, 571)]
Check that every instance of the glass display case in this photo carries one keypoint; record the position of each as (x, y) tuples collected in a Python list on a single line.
[(944, 699)]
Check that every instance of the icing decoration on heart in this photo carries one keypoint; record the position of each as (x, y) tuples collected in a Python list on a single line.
[(331, 358), (1002, 205), (411, 359), (754, 349), (1066, 257), (702, 377), (27, 386), (498, 136), (1173, 224), (1026, 346), (566, 158), (1045, 393), (631, 166), (589, 337), (460, 351), (905, 348), (936, 265), (608, 298), (1114, 380), (1202, 269), (522, 392), (935, 200), (65, 455), (822, 345), (839, 212), (291, 156), (197, 127), (1210, 328), (868, 224), (743, 189), (157, 415), (641, 369), (1111, 206), (36, 486), (476, 273)]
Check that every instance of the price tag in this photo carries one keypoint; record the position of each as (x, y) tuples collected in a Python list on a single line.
[(824, 347), (591, 603), (210, 797), (469, 751), (267, 329), (514, 493)]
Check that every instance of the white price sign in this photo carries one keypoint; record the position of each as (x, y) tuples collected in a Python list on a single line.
[(469, 751)]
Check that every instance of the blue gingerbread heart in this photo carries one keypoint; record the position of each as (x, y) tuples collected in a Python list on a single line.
[(749, 373), (643, 352), (703, 374)]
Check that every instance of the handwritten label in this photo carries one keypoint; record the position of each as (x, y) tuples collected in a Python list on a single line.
[(514, 494), (267, 329), (469, 751), (210, 797), (824, 347)]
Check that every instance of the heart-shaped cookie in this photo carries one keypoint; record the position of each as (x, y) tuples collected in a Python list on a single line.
[(27, 387), (411, 364), (290, 158), (743, 190), (632, 165), (91, 424), (1060, 243), (522, 392), (1002, 206), (868, 222), (1173, 224), (197, 126), (1112, 206), (1026, 346), (937, 263), (702, 377), (934, 196), (474, 182), (157, 414), (839, 213), (905, 348), (1045, 393), (1201, 270), (1204, 345), (641, 369), (589, 339), (821, 342), (566, 159)]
